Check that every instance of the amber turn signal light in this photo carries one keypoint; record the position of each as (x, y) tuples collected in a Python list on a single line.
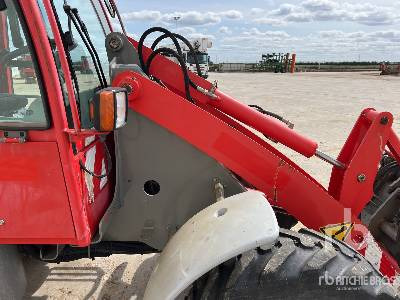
[(109, 109)]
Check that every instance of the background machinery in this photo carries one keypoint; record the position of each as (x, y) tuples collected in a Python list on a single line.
[(277, 63)]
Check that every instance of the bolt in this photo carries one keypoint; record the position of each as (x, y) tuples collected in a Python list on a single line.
[(357, 236), (115, 43), (128, 88), (385, 121), (362, 178), (2, 222)]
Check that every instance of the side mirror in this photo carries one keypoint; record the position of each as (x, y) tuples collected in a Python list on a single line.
[(70, 41), (109, 109)]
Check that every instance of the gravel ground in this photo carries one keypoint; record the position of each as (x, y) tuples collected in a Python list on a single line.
[(323, 106)]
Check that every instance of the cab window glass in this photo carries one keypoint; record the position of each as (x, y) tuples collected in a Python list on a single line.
[(21, 99), (101, 10), (82, 63), (56, 57)]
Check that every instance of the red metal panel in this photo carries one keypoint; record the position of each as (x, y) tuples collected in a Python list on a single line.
[(34, 201), (57, 133), (267, 125), (362, 153)]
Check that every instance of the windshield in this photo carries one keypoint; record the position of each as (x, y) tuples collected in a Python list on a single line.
[(108, 14), (202, 58), (88, 79), (21, 101)]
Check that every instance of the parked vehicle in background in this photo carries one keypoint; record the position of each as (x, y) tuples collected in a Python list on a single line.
[(200, 47)]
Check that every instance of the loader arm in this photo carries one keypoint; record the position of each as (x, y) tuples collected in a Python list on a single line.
[(284, 183)]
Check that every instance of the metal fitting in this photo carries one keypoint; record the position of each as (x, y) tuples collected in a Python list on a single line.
[(128, 88), (2, 222), (362, 178), (219, 190), (115, 43), (385, 120)]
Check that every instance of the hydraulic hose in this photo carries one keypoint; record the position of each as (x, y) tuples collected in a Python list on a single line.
[(71, 13), (146, 34), (177, 53), (181, 62), (187, 43)]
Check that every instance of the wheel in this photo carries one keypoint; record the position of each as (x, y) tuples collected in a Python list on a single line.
[(384, 207), (301, 265)]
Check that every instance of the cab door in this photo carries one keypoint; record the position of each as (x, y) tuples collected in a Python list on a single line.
[(96, 172)]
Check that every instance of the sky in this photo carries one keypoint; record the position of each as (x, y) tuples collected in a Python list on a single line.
[(243, 30)]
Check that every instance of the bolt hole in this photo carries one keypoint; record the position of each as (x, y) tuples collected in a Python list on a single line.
[(151, 187), (221, 212)]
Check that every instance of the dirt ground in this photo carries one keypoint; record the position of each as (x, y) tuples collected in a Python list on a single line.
[(323, 106)]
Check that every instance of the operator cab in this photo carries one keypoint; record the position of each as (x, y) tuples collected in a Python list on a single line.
[(54, 85)]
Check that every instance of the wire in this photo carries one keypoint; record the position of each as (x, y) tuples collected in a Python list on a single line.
[(72, 13), (268, 113), (109, 162), (87, 35), (69, 59), (273, 115)]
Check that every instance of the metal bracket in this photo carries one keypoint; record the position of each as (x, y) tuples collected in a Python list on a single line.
[(50, 252), (219, 190), (13, 137)]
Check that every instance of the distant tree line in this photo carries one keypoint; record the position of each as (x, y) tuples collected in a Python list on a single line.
[(343, 63)]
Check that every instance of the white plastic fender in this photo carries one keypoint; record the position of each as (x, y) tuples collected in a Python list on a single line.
[(216, 234)]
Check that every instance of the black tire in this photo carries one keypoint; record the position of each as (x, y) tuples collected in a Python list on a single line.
[(386, 182), (293, 269), (385, 204)]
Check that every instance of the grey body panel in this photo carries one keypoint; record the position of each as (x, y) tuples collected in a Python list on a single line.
[(122, 51), (12, 273), (145, 151)]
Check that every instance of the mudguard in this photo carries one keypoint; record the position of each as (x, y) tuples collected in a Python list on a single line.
[(216, 234)]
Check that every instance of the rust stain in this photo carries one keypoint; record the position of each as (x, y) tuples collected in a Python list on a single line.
[(281, 164)]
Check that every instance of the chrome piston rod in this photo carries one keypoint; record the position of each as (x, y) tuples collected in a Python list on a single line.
[(330, 160)]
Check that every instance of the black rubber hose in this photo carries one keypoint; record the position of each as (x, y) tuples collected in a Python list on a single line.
[(265, 112), (181, 62), (187, 43), (178, 52), (146, 34), (69, 13), (86, 32)]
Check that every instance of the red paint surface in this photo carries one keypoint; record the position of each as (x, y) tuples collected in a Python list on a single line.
[(30, 206), (62, 192)]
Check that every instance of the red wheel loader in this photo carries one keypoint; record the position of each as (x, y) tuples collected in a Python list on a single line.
[(139, 155)]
